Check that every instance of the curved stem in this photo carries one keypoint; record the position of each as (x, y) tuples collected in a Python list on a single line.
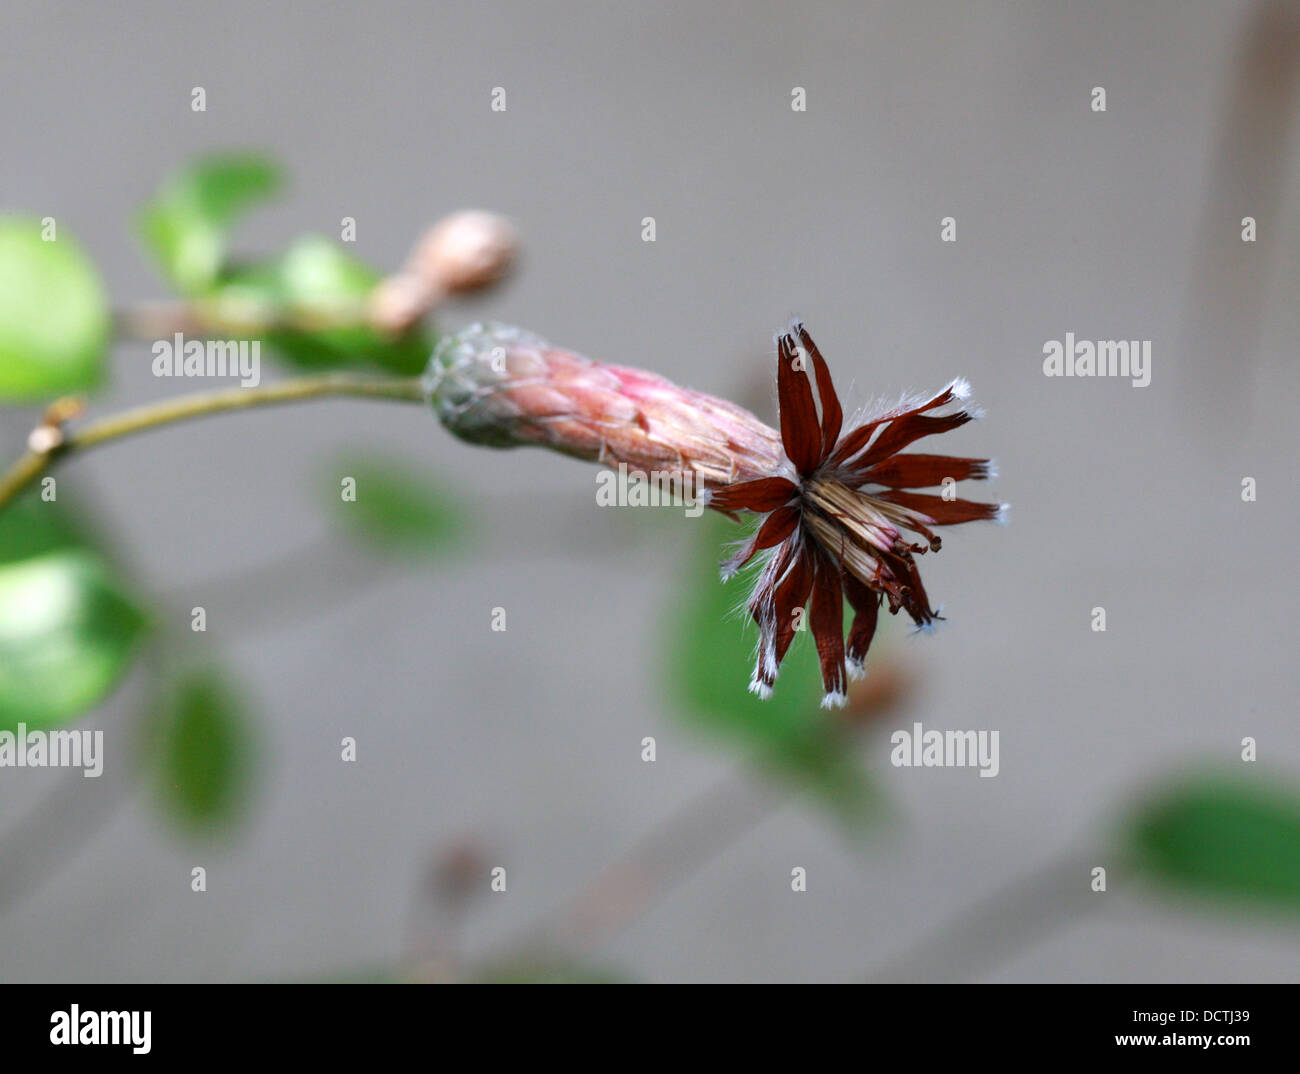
[(183, 408), (990, 931)]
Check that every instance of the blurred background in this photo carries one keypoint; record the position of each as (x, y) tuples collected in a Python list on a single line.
[(522, 749)]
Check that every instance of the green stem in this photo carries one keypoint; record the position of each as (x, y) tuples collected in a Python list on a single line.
[(155, 415)]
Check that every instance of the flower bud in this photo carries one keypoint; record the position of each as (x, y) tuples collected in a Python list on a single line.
[(504, 387), (400, 300), (465, 251)]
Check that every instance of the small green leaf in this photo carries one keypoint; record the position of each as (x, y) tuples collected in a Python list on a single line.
[(67, 632), (397, 508), (187, 225), (315, 297), (710, 653), (204, 752), (317, 281), (31, 526), (54, 321), (1224, 836)]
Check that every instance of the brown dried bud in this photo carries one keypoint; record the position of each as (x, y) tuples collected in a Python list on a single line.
[(48, 435), (465, 251), (504, 387), (400, 300)]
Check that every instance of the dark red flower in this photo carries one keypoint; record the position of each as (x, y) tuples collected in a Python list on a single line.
[(834, 515)]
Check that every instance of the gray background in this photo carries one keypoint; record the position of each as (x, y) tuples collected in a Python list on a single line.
[(1123, 224)]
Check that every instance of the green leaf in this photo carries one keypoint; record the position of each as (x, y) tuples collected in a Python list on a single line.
[(710, 655), (204, 751), (1225, 836), (54, 320), (317, 281), (186, 227), (67, 633), (31, 526), (397, 508), (313, 287), (83, 662), (314, 295)]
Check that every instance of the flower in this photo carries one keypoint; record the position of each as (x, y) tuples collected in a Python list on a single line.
[(834, 504), (833, 515)]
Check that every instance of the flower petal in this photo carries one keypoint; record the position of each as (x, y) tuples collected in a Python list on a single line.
[(902, 431), (832, 412), (784, 589), (761, 495), (866, 607), (791, 596), (922, 471), (827, 621), (800, 432), (943, 512), (856, 440), (774, 529)]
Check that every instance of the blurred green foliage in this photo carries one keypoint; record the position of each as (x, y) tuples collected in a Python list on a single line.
[(709, 657), (54, 319), (187, 225), (68, 626), (67, 631), (398, 509), (1222, 835), (308, 304), (30, 526), (310, 284), (202, 746)]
